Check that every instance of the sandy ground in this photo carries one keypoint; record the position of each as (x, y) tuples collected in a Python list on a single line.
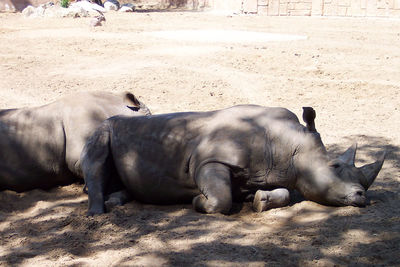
[(347, 69)]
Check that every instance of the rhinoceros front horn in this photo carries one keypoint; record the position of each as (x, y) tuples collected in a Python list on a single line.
[(370, 171), (349, 155)]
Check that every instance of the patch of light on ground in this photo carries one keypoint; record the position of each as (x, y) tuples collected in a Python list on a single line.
[(226, 36)]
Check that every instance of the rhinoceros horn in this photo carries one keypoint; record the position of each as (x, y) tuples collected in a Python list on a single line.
[(370, 171), (349, 155)]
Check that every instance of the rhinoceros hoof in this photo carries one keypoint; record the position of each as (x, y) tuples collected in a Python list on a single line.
[(265, 200), (199, 202), (118, 198), (112, 203), (91, 213), (96, 210), (261, 202)]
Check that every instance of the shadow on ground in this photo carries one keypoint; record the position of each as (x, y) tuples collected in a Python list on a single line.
[(52, 225)]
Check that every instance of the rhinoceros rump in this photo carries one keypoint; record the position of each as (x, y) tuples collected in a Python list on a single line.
[(214, 158), (40, 147)]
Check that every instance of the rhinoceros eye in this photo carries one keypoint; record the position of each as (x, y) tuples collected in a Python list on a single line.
[(334, 165)]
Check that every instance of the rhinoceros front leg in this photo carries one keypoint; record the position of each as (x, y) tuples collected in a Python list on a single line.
[(214, 182), (265, 200)]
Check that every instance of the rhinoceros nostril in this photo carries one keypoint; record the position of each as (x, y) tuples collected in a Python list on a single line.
[(360, 193), (358, 198)]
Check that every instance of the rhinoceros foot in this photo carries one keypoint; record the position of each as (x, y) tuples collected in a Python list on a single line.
[(265, 200), (116, 199)]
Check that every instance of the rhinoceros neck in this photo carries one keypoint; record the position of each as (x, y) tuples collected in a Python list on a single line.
[(312, 173)]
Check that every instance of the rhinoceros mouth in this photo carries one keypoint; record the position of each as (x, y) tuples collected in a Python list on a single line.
[(356, 199)]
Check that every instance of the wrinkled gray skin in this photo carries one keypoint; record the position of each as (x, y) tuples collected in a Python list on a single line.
[(40, 147), (215, 158)]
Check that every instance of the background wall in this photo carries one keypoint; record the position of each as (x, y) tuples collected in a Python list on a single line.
[(350, 8), (382, 8)]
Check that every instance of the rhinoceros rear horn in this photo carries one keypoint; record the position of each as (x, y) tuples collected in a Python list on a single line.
[(370, 171), (349, 155), (131, 98)]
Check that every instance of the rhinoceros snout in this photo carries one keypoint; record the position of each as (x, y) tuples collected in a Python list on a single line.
[(357, 198)]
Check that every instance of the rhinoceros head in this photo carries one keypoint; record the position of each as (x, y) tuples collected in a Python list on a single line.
[(339, 182)]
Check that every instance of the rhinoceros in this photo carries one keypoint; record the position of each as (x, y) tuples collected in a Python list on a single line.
[(214, 158), (40, 147)]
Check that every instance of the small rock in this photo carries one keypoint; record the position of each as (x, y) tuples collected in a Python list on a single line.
[(97, 21), (125, 8), (28, 11), (47, 5), (129, 5), (88, 6), (111, 5), (39, 11), (73, 12)]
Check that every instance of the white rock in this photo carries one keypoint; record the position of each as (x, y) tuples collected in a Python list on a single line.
[(88, 6), (47, 5), (28, 11), (39, 11), (52, 11), (110, 6), (126, 9), (61, 12), (73, 12)]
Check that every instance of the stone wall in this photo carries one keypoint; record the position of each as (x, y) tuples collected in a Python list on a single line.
[(348, 8)]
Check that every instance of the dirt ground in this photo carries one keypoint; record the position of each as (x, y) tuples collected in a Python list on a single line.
[(347, 69)]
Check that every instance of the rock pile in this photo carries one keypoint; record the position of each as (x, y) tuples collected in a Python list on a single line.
[(75, 9)]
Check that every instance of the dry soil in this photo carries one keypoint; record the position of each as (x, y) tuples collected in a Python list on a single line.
[(348, 69)]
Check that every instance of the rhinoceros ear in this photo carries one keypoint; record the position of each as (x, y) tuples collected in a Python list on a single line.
[(131, 98), (309, 117), (349, 155), (370, 171)]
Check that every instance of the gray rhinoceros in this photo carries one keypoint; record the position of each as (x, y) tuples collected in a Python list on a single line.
[(40, 147), (215, 158)]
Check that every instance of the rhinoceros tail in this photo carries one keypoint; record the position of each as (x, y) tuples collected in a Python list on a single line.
[(96, 149), (95, 167)]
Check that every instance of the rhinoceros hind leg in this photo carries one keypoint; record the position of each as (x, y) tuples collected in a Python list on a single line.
[(214, 181), (265, 200), (117, 199)]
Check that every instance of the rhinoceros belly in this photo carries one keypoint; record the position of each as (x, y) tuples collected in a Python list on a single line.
[(152, 180)]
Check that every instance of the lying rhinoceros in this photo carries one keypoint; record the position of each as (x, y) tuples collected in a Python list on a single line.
[(40, 147), (214, 158)]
